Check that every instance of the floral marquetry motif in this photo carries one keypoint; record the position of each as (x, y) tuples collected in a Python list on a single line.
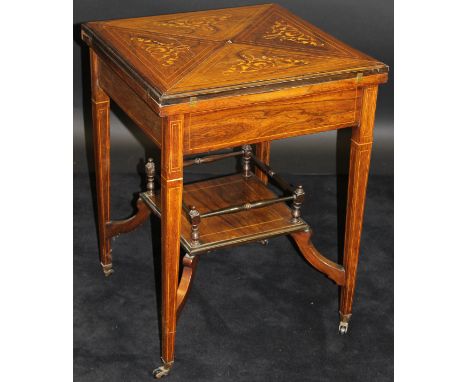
[(215, 25), (281, 31), (248, 63), (191, 24), (166, 53), (179, 57)]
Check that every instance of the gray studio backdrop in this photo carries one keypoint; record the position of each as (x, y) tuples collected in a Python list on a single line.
[(364, 24)]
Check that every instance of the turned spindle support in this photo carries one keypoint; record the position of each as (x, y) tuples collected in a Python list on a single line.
[(150, 170), (195, 221), (246, 157), (298, 200)]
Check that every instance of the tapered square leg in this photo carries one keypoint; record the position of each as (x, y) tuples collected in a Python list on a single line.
[(171, 206), (101, 137), (361, 146)]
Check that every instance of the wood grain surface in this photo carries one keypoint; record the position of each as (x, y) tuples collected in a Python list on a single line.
[(269, 121), (240, 227), (361, 147), (101, 140), (196, 54)]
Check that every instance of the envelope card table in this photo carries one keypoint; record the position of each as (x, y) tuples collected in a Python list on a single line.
[(213, 81)]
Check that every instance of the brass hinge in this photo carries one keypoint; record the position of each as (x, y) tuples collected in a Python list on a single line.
[(359, 77), (193, 101), (85, 37)]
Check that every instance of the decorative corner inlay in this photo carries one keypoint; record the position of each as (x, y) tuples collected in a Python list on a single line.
[(282, 31), (209, 23), (165, 52), (248, 63)]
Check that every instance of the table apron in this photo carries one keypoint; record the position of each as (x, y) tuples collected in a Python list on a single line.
[(268, 121), (131, 103), (234, 126)]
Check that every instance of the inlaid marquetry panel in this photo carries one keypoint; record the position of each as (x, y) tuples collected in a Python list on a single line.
[(217, 25), (283, 31), (165, 58), (237, 63), (279, 29), (214, 52)]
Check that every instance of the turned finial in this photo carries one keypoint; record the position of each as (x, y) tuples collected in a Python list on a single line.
[(298, 200), (246, 170), (150, 170), (195, 221)]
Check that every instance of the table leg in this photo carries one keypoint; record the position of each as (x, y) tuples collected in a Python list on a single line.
[(361, 145), (262, 152), (101, 137), (171, 206)]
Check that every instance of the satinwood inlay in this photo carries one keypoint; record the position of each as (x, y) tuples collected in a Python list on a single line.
[(215, 25), (282, 31), (210, 53), (249, 63), (166, 53), (191, 24)]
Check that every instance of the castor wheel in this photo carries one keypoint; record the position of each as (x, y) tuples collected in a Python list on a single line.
[(264, 242), (107, 269), (162, 371), (343, 327)]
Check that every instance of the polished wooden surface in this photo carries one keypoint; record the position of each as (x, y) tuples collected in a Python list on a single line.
[(336, 272), (241, 227), (172, 165), (190, 264), (361, 146), (218, 52), (123, 95), (127, 225), (202, 81), (269, 121), (262, 151), (101, 137)]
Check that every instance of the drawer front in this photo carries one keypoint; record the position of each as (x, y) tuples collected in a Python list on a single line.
[(269, 121)]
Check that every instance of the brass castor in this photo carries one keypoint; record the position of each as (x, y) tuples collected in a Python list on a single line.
[(162, 370), (343, 327), (264, 242), (107, 269)]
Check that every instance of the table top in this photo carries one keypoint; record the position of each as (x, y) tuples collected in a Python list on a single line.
[(221, 52)]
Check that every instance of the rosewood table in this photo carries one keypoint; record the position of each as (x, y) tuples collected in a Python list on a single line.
[(216, 80)]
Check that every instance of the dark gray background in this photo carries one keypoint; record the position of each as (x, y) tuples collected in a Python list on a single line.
[(365, 24)]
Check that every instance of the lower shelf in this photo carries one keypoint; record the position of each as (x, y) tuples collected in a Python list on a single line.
[(230, 229)]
